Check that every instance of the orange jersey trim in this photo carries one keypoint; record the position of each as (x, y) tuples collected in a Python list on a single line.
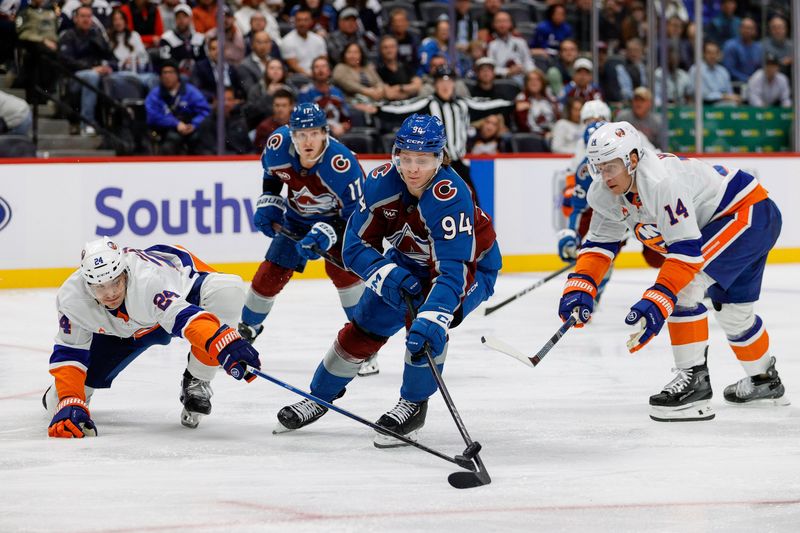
[(593, 264), (681, 333), (729, 233), (755, 196), (198, 332), (70, 381), (675, 275), (753, 351), (569, 191), (199, 264)]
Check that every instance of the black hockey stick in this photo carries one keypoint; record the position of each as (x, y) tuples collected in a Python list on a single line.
[(523, 292), (534, 360), (325, 255), (459, 480), (459, 460)]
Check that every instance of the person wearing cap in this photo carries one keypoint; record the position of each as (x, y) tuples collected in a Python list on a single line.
[(348, 32), (641, 116), (167, 11), (144, 17), (485, 86), (581, 87), (257, 7), (768, 86), (182, 45), (234, 39), (510, 54)]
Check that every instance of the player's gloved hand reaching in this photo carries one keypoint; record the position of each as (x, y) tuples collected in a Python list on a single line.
[(322, 237), (392, 282), (428, 328), (579, 293), (233, 353), (72, 420), (568, 244), (649, 314), (270, 209)]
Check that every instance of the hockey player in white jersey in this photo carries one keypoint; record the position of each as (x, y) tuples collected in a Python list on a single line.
[(121, 302), (715, 227)]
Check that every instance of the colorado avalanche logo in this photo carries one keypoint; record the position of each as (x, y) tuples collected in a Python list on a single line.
[(283, 176), (340, 163), (307, 203), (619, 132), (380, 171), (444, 190), (275, 141), (411, 245), (649, 235)]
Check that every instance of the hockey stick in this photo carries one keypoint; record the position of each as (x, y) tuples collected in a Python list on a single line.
[(459, 480), (324, 254), (500, 346), (459, 460), (492, 309)]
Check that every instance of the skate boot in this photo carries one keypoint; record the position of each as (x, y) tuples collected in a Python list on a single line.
[(369, 367), (196, 399), (405, 418), (300, 414), (764, 389), (248, 332), (685, 398)]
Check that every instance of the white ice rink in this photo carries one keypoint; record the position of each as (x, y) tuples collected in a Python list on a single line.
[(569, 444)]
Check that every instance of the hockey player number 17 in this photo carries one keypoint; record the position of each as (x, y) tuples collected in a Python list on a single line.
[(680, 210), (450, 228)]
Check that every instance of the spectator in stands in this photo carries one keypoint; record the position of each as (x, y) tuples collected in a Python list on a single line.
[(259, 96), (641, 115), (536, 109), (674, 8), (144, 18), (204, 74), (511, 54), (282, 105), (678, 41), (323, 16), (778, 44), (328, 97), (276, 7), (717, 88), (634, 26), (101, 13), (407, 42), (175, 109), (615, 80), (486, 20), (237, 140), (253, 67), (37, 24), (743, 55), (133, 61), (347, 33), (204, 15), (301, 46), (15, 115), (611, 15), (489, 137), (251, 8), (486, 87), (166, 9), (234, 39), (400, 81), (769, 87), (435, 45), (725, 25), (581, 87), (551, 31), (428, 81), (561, 72), (677, 81), (8, 31), (467, 26), (634, 62), (85, 51), (182, 45), (579, 16), (357, 78), (567, 130)]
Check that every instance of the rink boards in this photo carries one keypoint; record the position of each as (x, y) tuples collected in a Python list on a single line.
[(48, 209)]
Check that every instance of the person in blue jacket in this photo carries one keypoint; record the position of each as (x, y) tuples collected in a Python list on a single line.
[(442, 253)]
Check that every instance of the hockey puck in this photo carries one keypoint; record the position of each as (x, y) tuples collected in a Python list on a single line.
[(472, 450)]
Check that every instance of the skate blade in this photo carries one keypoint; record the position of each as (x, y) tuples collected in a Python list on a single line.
[(695, 411), (761, 403), (384, 441), (280, 428), (190, 420), (368, 370)]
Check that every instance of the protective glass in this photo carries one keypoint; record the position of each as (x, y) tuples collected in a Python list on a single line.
[(608, 170), (311, 134), (109, 289), (406, 161)]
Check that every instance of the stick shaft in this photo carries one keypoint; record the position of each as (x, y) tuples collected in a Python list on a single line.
[(523, 292), (536, 359)]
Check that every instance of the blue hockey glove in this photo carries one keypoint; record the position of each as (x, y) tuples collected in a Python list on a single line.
[(72, 420), (322, 236), (649, 314), (392, 282), (568, 245), (579, 293), (270, 209), (429, 327), (233, 353)]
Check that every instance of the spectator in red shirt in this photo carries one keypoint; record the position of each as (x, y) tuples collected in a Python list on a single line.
[(144, 18), (204, 15)]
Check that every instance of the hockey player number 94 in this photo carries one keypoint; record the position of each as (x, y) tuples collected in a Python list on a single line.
[(450, 228)]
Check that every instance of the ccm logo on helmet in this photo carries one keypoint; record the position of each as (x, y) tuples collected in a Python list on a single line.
[(340, 163), (444, 190)]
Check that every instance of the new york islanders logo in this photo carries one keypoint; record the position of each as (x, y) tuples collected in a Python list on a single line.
[(619, 132), (444, 190), (649, 235), (411, 245), (340, 163), (308, 203)]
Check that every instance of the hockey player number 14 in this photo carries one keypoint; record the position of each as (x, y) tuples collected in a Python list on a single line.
[(680, 210), (450, 228)]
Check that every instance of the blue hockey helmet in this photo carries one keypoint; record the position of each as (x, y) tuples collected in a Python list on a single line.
[(591, 128), (421, 133), (307, 115)]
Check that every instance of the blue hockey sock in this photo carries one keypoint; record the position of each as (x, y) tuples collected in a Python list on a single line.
[(327, 386), (251, 317), (418, 382)]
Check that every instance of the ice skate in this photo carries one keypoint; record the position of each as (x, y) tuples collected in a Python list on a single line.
[(685, 398), (763, 389), (369, 367), (405, 418), (300, 414), (248, 332), (196, 399)]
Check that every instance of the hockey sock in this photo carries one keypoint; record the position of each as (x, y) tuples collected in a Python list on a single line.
[(752, 348), (418, 381), (256, 308), (333, 374), (688, 332)]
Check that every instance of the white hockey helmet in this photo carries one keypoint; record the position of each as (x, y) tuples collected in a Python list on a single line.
[(611, 141), (595, 110), (101, 261)]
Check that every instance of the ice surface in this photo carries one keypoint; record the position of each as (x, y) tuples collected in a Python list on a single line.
[(569, 444)]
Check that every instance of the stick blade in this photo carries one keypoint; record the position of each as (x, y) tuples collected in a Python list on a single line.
[(469, 480), (503, 347)]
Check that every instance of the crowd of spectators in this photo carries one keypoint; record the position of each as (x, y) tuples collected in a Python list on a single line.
[(355, 56)]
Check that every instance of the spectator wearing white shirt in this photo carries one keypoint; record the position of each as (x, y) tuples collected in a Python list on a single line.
[(769, 87), (250, 8), (301, 46), (511, 54)]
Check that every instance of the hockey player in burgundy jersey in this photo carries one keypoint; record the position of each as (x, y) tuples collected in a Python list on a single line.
[(442, 252), (324, 181)]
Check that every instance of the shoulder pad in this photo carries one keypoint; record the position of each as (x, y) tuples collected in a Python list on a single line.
[(276, 150)]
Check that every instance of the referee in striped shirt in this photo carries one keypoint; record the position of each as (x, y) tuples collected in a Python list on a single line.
[(456, 114)]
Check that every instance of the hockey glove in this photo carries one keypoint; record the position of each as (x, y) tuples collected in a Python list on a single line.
[(649, 314), (392, 282), (579, 293), (72, 420), (568, 245), (233, 353), (322, 237), (430, 327), (270, 209)]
